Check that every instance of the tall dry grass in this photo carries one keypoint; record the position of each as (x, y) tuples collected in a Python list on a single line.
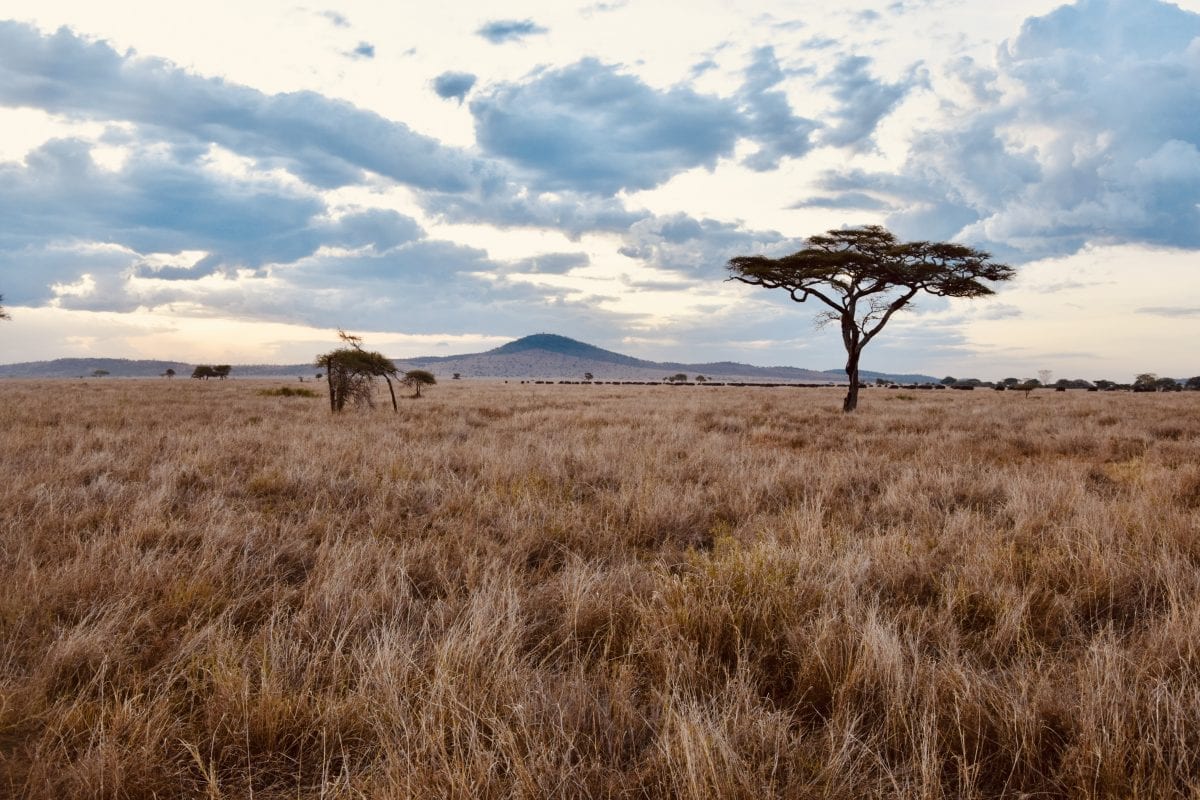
[(593, 591)]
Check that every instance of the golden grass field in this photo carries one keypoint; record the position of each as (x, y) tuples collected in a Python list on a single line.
[(597, 591)]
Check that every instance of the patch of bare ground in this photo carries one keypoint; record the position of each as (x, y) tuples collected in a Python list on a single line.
[(595, 591)]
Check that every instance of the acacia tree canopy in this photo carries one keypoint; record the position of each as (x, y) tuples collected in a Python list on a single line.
[(416, 378), (865, 275)]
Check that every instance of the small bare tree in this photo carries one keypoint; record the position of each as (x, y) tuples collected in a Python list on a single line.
[(350, 371), (3, 313)]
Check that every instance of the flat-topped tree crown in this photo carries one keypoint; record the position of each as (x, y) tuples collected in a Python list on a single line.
[(865, 275)]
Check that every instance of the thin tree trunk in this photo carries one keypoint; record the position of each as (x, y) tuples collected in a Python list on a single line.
[(391, 391), (329, 378), (851, 401)]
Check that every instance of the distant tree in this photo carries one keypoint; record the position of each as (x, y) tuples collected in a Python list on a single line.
[(1010, 381), (949, 380), (222, 371), (1192, 383), (1104, 385), (1166, 385), (678, 377), (350, 371), (170, 373), (320, 375), (1045, 376), (3, 313), (865, 275), (99, 373), (1145, 382), (416, 378), (204, 372), (587, 376), (458, 376), (701, 379)]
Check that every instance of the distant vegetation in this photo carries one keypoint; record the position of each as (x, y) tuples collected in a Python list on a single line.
[(288, 391), (205, 371)]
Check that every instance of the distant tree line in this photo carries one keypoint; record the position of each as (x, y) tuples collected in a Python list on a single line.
[(206, 371)]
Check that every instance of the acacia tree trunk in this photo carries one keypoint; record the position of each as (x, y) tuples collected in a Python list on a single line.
[(329, 378), (391, 391), (852, 338), (851, 401)]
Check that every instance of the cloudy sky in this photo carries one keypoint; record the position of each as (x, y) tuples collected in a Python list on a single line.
[(233, 181)]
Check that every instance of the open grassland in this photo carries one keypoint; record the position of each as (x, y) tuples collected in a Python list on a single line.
[(595, 591)]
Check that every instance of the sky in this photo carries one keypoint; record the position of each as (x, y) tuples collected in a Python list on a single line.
[(233, 182)]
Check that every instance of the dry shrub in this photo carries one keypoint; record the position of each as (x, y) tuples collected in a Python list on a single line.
[(597, 591)]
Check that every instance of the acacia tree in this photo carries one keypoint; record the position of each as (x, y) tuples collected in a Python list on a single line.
[(865, 275), (416, 378), (3, 313), (350, 370)]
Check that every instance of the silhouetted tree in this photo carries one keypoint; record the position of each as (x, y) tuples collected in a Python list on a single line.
[(1145, 382), (865, 275), (587, 376), (204, 372), (99, 373), (222, 371), (1166, 385), (3, 313), (701, 379), (416, 378), (949, 380), (170, 373), (1192, 383), (350, 370)]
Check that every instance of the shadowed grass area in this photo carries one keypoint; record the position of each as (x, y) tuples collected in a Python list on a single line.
[(597, 591)]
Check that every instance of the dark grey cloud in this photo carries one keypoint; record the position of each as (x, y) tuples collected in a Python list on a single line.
[(856, 200), (326, 142), (511, 206), (453, 85), (864, 101), (698, 248), (499, 31), (771, 122), (589, 127), (158, 204), (550, 263), (1110, 88)]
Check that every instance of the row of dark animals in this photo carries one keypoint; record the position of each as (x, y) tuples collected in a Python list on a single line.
[(929, 386)]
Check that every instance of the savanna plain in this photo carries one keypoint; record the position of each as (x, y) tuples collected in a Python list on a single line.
[(510, 590)]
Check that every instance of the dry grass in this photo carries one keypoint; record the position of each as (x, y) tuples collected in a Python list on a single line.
[(536, 591)]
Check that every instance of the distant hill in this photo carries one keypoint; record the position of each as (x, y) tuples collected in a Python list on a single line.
[(542, 356)]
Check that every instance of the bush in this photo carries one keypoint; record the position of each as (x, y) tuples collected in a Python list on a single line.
[(287, 391)]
